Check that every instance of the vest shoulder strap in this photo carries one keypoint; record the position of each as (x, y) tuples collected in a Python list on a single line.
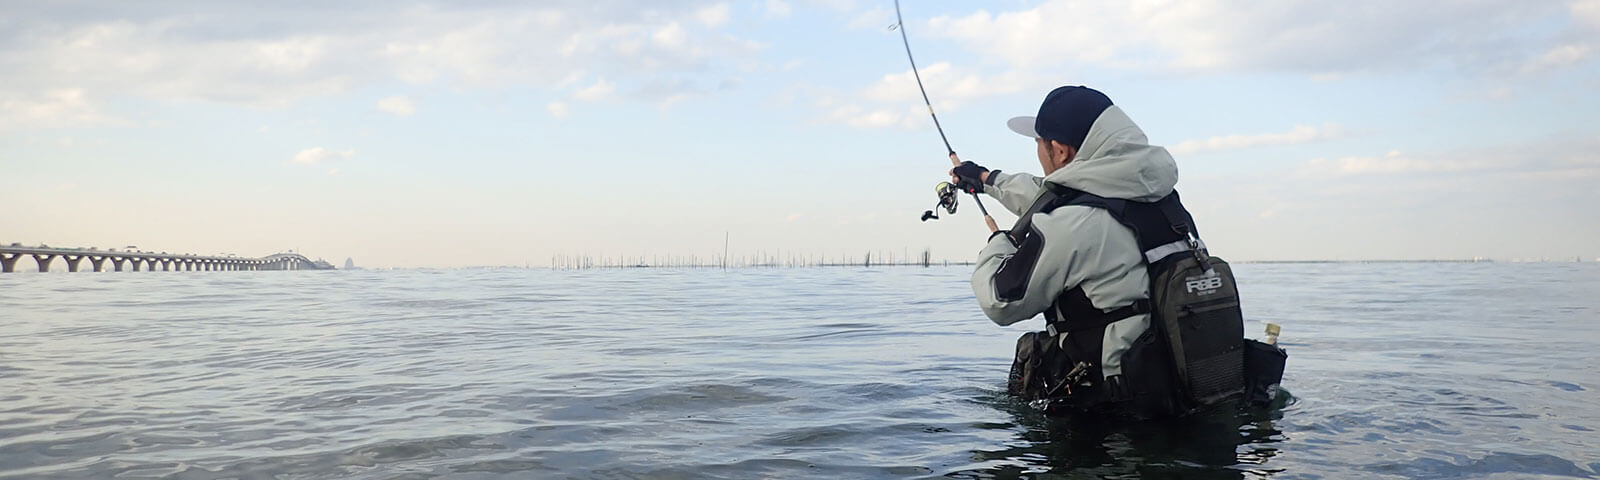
[(1163, 228)]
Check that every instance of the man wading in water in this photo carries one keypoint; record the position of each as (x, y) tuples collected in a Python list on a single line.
[(1090, 236)]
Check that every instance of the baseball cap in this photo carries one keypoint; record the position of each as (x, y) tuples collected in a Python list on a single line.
[(1065, 115)]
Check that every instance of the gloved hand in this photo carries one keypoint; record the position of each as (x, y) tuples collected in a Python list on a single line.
[(968, 177)]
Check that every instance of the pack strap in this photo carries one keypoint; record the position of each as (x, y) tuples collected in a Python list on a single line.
[(1190, 237), (1156, 254), (1089, 321), (1048, 193)]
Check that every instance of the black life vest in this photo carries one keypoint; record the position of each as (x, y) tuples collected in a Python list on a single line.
[(1192, 354)]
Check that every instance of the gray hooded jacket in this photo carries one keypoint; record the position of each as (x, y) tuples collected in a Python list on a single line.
[(1082, 246)]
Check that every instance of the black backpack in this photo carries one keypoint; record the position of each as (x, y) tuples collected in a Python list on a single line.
[(1192, 357)]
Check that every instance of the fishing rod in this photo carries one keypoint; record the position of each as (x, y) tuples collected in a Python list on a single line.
[(945, 191)]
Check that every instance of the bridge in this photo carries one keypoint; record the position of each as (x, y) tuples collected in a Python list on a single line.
[(134, 259)]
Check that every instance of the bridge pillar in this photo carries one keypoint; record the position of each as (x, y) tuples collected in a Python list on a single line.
[(72, 262), (150, 264), (8, 262), (116, 263), (44, 261), (135, 262), (99, 263), (166, 264)]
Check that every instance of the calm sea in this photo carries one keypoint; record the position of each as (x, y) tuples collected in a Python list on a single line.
[(1398, 370)]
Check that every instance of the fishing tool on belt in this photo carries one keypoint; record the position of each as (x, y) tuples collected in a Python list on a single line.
[(944, 189)]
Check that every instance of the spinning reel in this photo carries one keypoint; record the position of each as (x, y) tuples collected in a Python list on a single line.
[(948, 199)]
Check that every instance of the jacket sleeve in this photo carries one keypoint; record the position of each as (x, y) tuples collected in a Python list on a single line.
[(1012, 283), (1016, 191), (1064, 248)]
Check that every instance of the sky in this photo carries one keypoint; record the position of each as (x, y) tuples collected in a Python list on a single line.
[(451, 134)]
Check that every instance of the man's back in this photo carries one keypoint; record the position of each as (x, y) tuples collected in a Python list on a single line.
[(1078, 247)]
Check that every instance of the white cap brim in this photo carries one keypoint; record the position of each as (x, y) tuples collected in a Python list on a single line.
[(1023, 126)]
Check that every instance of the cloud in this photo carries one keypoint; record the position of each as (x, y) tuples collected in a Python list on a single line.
[(1297, 36), (778, 8), (1564, 157), (1498, 200), (1560, 56), (836, 5), (558, 109), (50, 108), (316, 155), (715, 15), (670, 36), (1393, 162), (954, 85), (398, 105), (858, 117), (601, 90), (895, 101), (872, 19), (1300, 134), (1586, 11), (272, 55)]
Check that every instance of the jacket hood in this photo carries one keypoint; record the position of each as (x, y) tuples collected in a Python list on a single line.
[(1117, 162)]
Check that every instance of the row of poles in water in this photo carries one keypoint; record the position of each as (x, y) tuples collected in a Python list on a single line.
[(762, 259)]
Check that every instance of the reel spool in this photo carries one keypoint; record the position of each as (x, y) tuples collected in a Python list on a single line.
[(949, 197)]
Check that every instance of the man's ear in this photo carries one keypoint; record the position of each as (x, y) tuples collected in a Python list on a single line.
[(1065, 151)]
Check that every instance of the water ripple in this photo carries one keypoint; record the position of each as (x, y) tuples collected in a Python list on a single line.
[(1398, 371)]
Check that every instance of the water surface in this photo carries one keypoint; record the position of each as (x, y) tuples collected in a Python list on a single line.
[(1399, 371)]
